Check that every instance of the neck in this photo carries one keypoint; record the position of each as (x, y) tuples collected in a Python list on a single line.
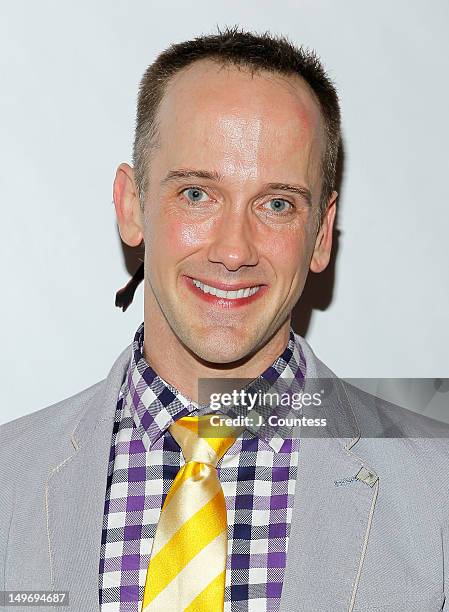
[(164, 351)]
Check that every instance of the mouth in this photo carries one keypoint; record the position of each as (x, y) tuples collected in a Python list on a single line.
[(223, 294)]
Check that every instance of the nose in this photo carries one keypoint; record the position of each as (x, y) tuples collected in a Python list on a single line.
[(233, 241)]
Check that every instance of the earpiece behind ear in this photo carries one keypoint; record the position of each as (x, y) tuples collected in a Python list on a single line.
[(125, 295)]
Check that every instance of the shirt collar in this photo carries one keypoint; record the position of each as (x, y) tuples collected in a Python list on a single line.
[(155, 404)]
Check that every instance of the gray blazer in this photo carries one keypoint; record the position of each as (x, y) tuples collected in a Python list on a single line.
[(370, 521)]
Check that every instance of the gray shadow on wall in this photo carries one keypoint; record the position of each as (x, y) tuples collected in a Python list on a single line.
[(319, 288), (133, 257)]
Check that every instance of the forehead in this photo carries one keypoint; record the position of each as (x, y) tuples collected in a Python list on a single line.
[(276, 117)]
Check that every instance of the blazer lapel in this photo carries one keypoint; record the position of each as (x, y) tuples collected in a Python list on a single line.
[(75, 492), (329, 529), (335, 498)]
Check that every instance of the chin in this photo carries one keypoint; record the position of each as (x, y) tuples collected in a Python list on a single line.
[(222, 345), (226, 355)]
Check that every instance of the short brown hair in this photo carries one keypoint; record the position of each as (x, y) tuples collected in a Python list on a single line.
[(257, 52)]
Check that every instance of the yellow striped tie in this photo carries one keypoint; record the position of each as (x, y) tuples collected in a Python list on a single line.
[(187, 568)]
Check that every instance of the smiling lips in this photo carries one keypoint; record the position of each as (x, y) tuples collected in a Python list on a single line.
[(223, 295)]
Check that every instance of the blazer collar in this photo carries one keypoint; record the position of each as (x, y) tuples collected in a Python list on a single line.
[(335, 405)]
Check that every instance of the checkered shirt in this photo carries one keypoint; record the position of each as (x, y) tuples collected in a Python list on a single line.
[(257, 474)]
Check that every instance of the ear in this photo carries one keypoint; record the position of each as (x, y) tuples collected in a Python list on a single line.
[(127, 206), (323, 243)]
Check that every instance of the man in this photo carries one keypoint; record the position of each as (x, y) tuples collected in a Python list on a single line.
[(113, 495)]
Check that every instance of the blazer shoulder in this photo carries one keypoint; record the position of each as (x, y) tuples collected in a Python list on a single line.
[(46, 432), (378, 417), (47, 424)]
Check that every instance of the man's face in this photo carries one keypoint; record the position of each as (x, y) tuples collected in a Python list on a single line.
[(233, 191)]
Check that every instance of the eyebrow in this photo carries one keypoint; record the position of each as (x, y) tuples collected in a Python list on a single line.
[(174, 175)]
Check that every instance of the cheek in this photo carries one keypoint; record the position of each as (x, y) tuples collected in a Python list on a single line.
[(288, 256), (174, 237), (186, 236)]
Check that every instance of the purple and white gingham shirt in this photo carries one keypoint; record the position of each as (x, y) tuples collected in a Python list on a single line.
[(257, 474)]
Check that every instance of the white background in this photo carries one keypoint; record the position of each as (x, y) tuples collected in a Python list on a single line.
[(69, 78)]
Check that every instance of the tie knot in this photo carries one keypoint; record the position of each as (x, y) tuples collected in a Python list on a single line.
[(201, 440)]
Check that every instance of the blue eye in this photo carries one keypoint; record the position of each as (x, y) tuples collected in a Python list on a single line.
[(279, 205), (195, 194)]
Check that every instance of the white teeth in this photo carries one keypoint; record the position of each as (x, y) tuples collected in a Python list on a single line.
[(230, 295)]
